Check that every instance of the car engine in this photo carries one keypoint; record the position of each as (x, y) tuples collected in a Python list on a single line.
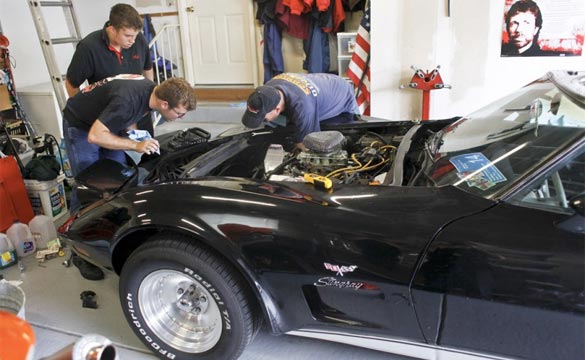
[(335, 156)]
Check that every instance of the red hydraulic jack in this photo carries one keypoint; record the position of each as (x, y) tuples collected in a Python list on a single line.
[(426, 81)]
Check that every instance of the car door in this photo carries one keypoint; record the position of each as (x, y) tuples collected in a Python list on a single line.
[(510, 280)]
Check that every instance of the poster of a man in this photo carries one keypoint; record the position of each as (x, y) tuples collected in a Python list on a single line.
[(546, 28)]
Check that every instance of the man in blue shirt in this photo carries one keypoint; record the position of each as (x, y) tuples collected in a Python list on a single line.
[(306, 100)]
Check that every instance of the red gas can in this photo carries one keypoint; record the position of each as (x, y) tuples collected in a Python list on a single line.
[(14, 202)]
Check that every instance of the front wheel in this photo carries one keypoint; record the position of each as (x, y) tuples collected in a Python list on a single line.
[(185, 302)]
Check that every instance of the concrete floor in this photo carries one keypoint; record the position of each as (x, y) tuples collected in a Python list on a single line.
[(53, 308), (53, 304)]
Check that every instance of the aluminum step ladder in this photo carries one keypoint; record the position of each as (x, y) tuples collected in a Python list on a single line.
[(47, 42)]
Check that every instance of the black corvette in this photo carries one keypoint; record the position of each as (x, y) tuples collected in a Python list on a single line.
[(457, 238)]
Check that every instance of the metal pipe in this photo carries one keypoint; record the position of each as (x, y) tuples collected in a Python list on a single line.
[(88, 347)]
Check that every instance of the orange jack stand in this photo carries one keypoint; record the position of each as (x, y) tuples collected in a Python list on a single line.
[(426, 81)]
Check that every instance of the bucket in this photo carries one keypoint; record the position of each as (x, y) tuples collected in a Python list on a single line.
[(12, 299), (47, 197), (22, 239), (7, 252), (43, 230)]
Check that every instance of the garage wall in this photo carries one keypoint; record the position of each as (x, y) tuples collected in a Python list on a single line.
[(465, 44), (17, 24), (404, 33)]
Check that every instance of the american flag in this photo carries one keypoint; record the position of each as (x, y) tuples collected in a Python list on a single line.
[(359, 66)]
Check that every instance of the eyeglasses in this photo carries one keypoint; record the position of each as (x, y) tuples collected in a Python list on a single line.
[(179, 114)]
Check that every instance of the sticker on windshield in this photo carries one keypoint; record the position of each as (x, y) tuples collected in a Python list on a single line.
[(477, 170)]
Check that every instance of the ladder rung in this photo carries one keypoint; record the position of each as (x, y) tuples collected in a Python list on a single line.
[(47, 43), (55, 3), (65, 40)]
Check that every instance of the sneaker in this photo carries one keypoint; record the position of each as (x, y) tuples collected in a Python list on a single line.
[(87, 270)]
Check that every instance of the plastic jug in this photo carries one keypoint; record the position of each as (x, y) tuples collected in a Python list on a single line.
[(7, 252), (43, 230), (22, 239)]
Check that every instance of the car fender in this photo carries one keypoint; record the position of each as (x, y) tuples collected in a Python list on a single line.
[(200, 217)]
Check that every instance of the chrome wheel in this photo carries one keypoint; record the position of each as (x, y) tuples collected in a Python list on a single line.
[(180, 311)]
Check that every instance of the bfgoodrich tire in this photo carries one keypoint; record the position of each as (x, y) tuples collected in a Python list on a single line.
[(184, 302)]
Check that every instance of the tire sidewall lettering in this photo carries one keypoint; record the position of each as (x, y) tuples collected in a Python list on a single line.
[(132, 309), (136, 323), (225, 315)]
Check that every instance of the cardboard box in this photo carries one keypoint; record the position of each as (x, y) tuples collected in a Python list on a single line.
[(5, 103)]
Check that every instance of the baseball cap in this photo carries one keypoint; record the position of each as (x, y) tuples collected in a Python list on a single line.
[(262, 101)]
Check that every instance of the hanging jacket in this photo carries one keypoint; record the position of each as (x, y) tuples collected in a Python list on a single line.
[(295, 25), (273, 61), (337, 16), (297, 7), (322, 5), (266, 10), (316, 47)]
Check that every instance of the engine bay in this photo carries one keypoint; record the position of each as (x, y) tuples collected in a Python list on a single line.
[(383, 153), (351, 155), (330, 154)]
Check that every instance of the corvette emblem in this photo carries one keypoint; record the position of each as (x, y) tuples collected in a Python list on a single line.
[(340, 269)]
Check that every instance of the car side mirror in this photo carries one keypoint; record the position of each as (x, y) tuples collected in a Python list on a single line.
[(576, 222), (536, 109)]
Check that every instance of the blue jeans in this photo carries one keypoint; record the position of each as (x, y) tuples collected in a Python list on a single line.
[(82, 154)]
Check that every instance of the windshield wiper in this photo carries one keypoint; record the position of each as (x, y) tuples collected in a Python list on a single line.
[(504, 132), (526, 108)]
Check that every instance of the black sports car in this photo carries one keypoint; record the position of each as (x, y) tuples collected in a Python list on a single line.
[(459, 238)]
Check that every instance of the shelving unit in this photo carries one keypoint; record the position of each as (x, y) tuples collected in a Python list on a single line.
[(11, 110), (345, 48)]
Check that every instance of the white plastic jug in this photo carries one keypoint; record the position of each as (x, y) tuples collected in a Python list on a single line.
[(7, 252), (22, 239), (43, 230)]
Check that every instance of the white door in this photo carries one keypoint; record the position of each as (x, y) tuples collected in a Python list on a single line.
[(220, 41)]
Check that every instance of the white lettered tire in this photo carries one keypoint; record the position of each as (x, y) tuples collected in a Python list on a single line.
[(185, 302)]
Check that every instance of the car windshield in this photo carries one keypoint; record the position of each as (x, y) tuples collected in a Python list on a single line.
[(488, 150)]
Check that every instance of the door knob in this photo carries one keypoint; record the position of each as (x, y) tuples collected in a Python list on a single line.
[(190, 9)]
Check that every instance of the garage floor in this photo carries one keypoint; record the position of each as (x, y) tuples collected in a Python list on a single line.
[(53, 304)]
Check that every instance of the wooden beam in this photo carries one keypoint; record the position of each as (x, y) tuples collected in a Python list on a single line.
[(223, 94), (162, 14)]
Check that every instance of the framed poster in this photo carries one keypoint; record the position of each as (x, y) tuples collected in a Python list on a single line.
[(543, 28)]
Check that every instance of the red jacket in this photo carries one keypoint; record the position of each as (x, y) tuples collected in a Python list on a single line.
[(338, 15), (322, 5), (297, 7)]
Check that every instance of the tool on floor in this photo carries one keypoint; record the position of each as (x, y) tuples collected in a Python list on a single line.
[(67, 263), (91, 346), (88, 299), (53, 249)]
